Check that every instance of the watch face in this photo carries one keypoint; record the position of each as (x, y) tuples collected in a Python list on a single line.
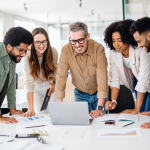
[(100, 107)]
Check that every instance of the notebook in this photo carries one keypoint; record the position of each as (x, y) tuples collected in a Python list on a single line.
[(116, 117)]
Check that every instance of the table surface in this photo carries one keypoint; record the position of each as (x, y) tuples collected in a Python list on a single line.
[(90, 141)]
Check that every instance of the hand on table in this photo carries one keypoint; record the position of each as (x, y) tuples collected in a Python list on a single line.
[(15, 112), (145, 126), (147, 113), (96, 113), (110, 105), (51, 88), (130, 111), (29, 113), (8, 120)]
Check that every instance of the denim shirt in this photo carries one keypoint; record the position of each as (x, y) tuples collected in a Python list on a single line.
[(7, 66)]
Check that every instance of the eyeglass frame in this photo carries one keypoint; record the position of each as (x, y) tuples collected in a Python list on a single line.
[(41, 42), (78, 40), (23, 51)]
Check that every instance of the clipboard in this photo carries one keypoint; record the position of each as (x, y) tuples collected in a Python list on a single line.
[(45, 101)]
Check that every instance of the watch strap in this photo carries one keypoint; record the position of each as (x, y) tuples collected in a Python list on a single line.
[(100, 108)]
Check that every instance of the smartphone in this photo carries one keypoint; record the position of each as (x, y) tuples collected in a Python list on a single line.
[(27, 135), (45, 101)]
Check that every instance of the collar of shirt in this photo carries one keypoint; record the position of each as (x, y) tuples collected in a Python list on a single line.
[(3, 51)]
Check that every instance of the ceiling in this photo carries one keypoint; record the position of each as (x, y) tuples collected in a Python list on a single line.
[(55, 11)]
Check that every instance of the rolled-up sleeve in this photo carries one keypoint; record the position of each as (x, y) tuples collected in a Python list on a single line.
[(114, 73), (62, 74), (28, 79), (101, 71), (11, 94), (144, 72)]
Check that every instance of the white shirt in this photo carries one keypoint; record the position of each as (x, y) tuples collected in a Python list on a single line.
[(126, 62)]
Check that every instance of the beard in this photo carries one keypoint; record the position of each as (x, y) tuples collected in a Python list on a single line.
[(147, 45), (13, 56)]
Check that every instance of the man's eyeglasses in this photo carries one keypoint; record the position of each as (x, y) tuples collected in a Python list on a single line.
[(38, 43), (80, 41), (21, 52)]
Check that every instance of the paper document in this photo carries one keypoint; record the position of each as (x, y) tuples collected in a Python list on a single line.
[(5, 139), (119, 132), (38, 127), (33, 119), (116, 117), (75, 133), (28, 146)]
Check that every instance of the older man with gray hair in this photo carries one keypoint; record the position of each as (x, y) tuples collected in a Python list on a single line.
[(88, 66)]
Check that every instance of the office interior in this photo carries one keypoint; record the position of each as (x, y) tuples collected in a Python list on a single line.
[(55, 16)]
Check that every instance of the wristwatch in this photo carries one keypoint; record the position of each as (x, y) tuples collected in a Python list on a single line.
[(100, 108), (53, 82)]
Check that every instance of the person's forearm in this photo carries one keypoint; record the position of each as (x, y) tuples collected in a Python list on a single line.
[(139, 101), (101, 102), (59, 99), (114, 93), (30, 101)]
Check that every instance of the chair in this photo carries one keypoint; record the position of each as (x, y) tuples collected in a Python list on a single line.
[(125, 100)]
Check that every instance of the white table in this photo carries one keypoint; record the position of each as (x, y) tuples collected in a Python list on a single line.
[(90, 140), (20, 99)]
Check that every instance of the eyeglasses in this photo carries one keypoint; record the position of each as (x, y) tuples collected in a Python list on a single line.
[(80, 41), (21, 52), (38, 43)]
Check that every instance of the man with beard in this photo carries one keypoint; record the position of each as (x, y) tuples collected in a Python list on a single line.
[(88, 66), (140, 30), (13, 48)]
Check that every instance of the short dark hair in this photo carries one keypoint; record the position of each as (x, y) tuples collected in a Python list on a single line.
[(16, 35), (141, 25), (123, 28)]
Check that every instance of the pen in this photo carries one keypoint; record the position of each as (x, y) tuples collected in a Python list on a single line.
[(7, 135), (127, 124), (35, 126)]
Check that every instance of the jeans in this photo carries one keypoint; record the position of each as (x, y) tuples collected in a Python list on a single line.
[(146, 102), (85, 97)]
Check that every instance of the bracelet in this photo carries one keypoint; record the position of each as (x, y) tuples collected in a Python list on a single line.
[(53, 82), (114, 101)]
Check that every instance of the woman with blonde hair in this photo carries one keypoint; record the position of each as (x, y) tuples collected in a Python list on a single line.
[(39, 71)]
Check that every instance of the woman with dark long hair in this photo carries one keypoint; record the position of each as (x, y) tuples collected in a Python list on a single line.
[(128, 64), (39, 71)]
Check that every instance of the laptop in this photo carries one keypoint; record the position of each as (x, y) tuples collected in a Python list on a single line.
[(69, 113)]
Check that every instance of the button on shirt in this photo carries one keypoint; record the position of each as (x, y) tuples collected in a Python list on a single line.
[(88, 71)]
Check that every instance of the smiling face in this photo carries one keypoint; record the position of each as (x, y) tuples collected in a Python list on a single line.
[(40, 47), (118, 44), (78, 35), (142, 40), (15, 54)]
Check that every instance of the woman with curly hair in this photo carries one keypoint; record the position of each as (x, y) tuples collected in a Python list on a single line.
[(129, 64), (39, 71)]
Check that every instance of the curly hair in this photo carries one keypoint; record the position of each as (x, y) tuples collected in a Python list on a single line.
[(141, 25), (16, 35), (123, 28)]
